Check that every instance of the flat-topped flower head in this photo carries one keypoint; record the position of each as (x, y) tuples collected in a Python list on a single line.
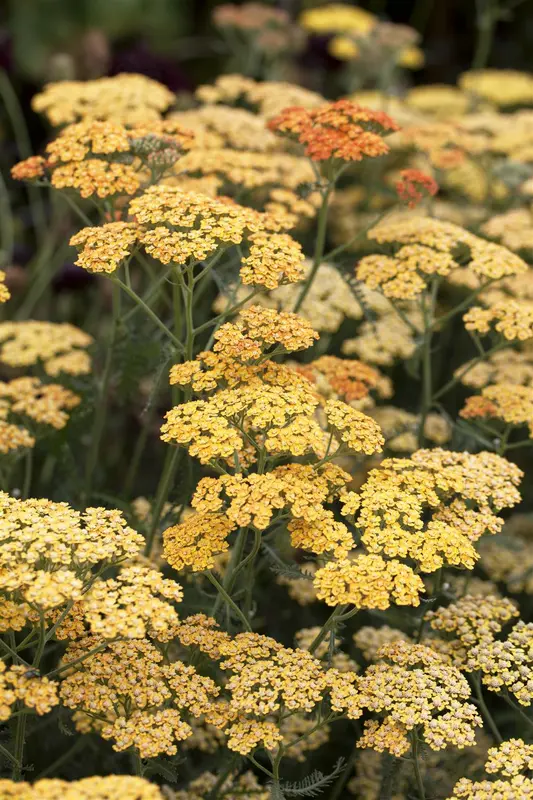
[(504, 87), (126, 98), (426, 247), (130, 695), (48, 550), (342, 131), (110, 787), (104, 158), (505, 403), (414, 687), (61, 347), (513, 319), (510, 759), (43, 403)]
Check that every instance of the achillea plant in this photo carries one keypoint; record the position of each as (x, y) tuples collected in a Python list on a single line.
[(257, 535)]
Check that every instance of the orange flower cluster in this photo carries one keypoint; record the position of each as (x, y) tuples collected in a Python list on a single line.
[(414, 186), (342, 130)]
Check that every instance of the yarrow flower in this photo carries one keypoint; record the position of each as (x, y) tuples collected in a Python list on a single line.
[(39, 694), (507, 403), (416, 688), (110, 787), (61, 347), (511, 318), (125, 98), (142, 698), (426, 247), (510, 759), (343, 130), (414, 185)]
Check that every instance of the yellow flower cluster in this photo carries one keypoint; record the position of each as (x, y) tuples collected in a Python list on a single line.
[(400, 428), (268, 97), (48, 550), (39, 694), (504, 402), (427, 247), (259, 329), (503, 87), (46, 404), (511, 758), (397, 498), (111, 787), (505, 664), (511, 318), (416, 688), (126, 98), (472, 620), (61, 347), (507, 367), (216, 127), (226, 503), (141, 697)]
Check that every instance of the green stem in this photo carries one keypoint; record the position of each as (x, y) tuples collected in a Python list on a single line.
[(322, 222), (20, 740), (7, 227), (28, 470), (484, 710), (428, 313), (416, 765), (518, 709), (337, 615), (486, 16), (171, 461), (227, 599), (470, 365), (233, 567), (148, 311), (103, 400), (25, 150), (81, 659)]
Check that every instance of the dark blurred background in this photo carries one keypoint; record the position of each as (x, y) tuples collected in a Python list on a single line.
[(174, 40)]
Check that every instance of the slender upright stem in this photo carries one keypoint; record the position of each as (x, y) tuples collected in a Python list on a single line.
[(148, 311), (337, 615), (171, 461), (227, 599), (486, 17), (416, 765), (487, 716), (428, 313), (320, 243), (103, 399)]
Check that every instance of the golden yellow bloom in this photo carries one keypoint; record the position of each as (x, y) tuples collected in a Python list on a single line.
[(96, 177), (60, 346), (510, 758), (111, 787), (196, 541), (427, 249), (245, 735), (125, 98), (46, 404), (203, 632), (504, 87), (511, 318), (472, 620), (368, 581), (47, 549), (5, 294), (142, 697), (105, 247), (337, 18), (505, 665), (415, 687), (37, 693), (358, 431), (369, 640), (257, 329), (344, 378), (504, 402)]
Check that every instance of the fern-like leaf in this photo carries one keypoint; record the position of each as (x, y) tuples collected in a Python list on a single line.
[(312, 785)]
